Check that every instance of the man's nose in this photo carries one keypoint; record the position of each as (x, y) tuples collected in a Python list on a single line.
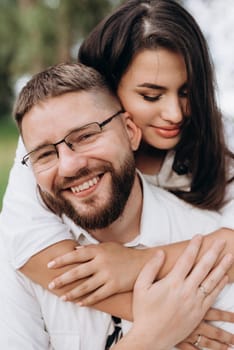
[(172, 111), (69, 161)]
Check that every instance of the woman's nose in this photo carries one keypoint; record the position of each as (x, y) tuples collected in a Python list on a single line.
[(172, 111)]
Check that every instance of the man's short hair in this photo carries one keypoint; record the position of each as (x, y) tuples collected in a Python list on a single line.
[(55, 81)]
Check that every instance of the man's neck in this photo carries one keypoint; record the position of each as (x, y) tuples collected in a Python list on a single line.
[(127, 226)]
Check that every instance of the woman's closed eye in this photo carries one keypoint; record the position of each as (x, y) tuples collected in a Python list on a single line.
[(151, 98)]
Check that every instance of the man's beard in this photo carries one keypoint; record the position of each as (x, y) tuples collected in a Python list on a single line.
[(100, 217)]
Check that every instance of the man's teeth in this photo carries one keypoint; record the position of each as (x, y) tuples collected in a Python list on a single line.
[(85, 185)]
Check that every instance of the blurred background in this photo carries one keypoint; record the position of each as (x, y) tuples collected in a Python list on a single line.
[(37, 33)]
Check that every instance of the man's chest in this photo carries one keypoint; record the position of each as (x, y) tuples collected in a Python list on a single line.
[(71, 327)]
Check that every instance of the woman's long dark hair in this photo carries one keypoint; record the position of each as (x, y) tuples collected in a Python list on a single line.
[(150, 24)]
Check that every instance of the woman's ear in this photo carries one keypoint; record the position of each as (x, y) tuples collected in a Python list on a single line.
[(133, 131)]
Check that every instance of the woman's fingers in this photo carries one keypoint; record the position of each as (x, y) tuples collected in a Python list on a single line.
[(213, 333), (209, 299), (219, 315), (217, 273), (90, 290), (187, 260), (207, 262), (213, 284), (205, 342), (80, 255), (86, 287), (100, 294), (77, 273)]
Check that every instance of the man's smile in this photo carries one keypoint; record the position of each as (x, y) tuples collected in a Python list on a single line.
[(85, 185)]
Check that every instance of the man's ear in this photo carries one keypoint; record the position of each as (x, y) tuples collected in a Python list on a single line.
[(133, 131)]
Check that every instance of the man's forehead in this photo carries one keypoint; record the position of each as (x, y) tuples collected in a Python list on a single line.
[(52, 119), (84, 101)]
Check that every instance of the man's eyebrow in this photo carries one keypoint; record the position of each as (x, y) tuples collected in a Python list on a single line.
[(152, 86), (49, 143), (41, 145)]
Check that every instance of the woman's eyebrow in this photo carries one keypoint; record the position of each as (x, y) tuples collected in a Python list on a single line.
[(160, 87), (152, 86)]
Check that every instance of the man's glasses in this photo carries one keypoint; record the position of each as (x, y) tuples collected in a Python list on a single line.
[(78, 140)]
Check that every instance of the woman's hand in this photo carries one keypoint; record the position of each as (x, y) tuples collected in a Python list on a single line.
[(209, 336), (105, 269), (165, 312)]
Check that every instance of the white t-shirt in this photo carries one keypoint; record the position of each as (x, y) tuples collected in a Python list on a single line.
[(28, 226), (33, 318)]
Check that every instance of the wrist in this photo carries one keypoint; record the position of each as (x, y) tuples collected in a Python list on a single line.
[(147, 254), (144, 339)]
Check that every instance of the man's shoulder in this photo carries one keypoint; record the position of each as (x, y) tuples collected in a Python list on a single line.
[(172, 202), (160, 194)]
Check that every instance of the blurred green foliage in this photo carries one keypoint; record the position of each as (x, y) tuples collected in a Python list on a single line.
[(8, 140), (37, 33)]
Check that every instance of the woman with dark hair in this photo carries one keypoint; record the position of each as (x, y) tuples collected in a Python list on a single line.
[(160, 30), (154, 56)]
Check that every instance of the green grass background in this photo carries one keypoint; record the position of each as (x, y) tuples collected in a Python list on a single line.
[(8, 142)]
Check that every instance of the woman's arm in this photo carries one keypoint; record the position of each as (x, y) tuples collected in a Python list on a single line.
[(112, 267), (121, 304), (27, 226), (34, 227), (129, 259), (173, 251)]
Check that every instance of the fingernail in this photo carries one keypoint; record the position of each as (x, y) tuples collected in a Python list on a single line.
[(79, 247), (51, 264), (63, 298), (51, 285)]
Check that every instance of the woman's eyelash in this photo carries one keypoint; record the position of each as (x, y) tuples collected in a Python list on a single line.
[(151, 98)]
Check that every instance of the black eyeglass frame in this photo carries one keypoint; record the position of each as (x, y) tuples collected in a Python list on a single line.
[(101, 125)]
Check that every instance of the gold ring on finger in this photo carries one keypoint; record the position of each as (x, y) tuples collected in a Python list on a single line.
[(197, 342), (203, 290)]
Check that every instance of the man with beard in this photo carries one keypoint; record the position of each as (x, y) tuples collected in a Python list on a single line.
[(80, 145)]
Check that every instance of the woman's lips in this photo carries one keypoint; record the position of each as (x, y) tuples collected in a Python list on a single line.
[(167, 132)]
